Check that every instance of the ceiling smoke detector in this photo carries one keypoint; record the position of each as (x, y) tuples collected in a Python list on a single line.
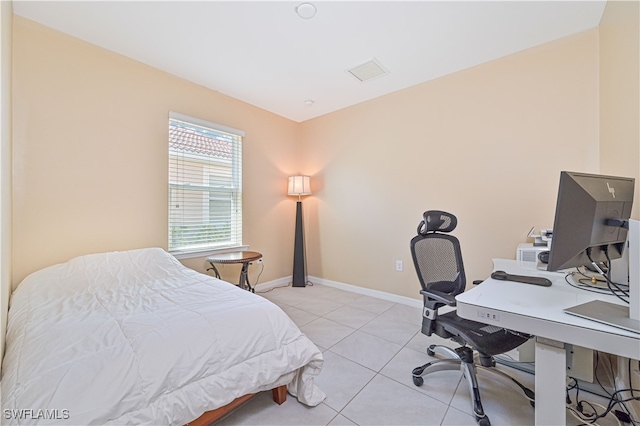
[(306, 10), (370, 70)]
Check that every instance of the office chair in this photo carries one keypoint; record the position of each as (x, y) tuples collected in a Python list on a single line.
[(438, 261)]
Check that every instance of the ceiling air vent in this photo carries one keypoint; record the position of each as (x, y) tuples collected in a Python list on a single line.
[(370, 70)]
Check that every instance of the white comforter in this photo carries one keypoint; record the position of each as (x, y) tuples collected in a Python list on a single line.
[(136, 338)]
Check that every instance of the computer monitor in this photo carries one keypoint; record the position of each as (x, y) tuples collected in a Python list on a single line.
[(591, 222), (590, 213)]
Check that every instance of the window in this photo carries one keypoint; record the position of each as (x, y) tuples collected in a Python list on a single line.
[(205, 185)]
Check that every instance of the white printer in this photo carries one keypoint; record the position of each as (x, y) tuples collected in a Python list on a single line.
[(528, 252)]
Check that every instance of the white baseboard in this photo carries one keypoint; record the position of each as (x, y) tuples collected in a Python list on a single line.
[(368, 292), (268, 285)]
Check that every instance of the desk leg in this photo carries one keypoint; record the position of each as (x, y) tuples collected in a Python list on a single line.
[(551, 373)]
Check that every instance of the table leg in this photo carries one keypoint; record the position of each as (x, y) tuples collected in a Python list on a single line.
[(551, 373), (215, 270), (244, 278)]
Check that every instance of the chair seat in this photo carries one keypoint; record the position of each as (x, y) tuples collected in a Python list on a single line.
[(486, 339)]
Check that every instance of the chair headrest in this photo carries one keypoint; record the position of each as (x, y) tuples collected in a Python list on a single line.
[(437, 221)]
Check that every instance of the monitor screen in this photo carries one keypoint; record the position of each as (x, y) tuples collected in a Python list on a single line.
[(586, 202)]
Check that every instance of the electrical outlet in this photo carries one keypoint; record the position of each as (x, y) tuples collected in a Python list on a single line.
[(399, 265)]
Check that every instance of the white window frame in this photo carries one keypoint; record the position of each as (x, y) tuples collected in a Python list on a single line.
[(178, 160)]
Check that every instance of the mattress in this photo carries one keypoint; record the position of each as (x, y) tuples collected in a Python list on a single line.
[(135, 337)]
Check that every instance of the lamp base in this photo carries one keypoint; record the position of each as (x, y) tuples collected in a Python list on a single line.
[(299, 264)]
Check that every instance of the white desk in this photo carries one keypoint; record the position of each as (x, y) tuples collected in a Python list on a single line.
[(538, 311)]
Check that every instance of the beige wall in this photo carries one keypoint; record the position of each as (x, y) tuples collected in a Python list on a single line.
[(486, 144), (6, 18), (90, 155), (620, 92)]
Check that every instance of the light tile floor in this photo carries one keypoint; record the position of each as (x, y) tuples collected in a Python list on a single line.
[(370, 347)]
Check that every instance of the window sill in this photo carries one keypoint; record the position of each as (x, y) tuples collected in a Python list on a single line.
[(207, 252)]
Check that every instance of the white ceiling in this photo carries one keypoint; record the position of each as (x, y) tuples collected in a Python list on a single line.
[(264, 54)]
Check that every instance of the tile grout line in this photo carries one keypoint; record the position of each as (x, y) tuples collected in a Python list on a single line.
[(377, 373)]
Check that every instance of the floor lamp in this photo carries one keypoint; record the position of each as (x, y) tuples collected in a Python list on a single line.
[(299, 185)]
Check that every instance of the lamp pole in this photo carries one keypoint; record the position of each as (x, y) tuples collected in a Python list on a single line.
[(299, 185), (299, 270)]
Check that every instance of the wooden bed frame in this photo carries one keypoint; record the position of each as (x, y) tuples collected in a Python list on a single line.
[(279, 396)]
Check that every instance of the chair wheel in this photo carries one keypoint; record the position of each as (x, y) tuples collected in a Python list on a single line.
[(418, 381), (533, 404), (483, 421), (430, 351)]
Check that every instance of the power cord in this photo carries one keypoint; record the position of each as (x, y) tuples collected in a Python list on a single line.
[(618, 291), (621, 415), (585, 286), (610, 283), (273, 288), (259, 275), (579, 411), (625, 414)]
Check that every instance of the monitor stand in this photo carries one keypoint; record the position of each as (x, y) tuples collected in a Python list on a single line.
[(607, 313), (620, 316)]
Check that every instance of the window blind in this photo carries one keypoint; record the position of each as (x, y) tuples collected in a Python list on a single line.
[(205, 185)]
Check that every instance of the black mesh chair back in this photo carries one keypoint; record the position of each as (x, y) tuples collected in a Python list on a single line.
[(437, 256)]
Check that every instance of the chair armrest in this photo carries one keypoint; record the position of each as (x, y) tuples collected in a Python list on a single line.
[(439, 297)]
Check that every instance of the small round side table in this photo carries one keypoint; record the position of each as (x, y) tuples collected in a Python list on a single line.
[(244, 257)]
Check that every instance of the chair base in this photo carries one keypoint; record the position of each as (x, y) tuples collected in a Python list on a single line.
[(462, 359)]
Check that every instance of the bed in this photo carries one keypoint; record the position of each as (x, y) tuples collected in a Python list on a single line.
[(134, 337)]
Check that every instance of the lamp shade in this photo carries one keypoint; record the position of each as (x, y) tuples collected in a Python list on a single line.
[(299, 185)]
